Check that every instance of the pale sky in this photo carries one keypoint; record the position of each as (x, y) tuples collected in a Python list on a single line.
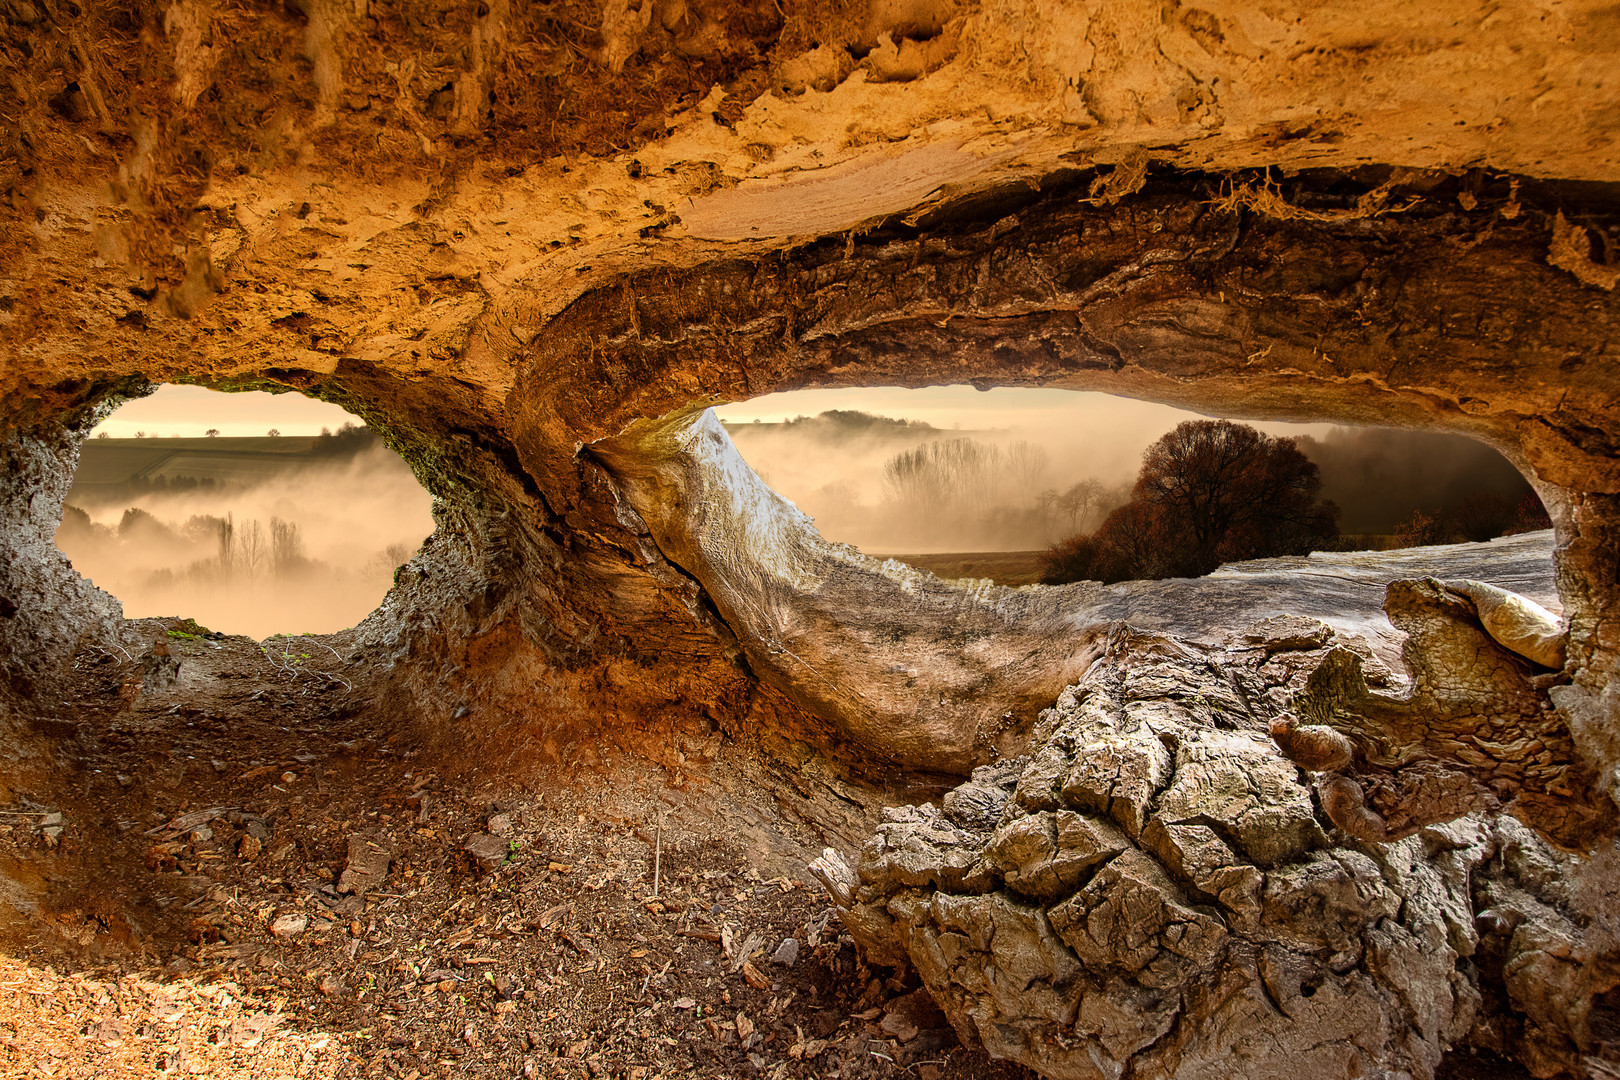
[(959, 406), (1099, 425), (189, 411)]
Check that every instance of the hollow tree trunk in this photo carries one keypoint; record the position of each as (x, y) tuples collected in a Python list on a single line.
[(598, 537)]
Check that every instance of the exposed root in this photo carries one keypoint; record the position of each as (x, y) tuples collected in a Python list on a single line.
[(1266, 198), (1128, 177)]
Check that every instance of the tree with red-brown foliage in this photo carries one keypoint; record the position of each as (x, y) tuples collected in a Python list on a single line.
[(1209, 492), (1484, 515), (1421, 530)]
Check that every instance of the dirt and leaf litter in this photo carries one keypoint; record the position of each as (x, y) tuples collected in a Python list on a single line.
[(407, 958), (306, 898)]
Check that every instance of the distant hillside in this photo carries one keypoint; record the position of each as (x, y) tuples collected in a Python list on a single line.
[(839, 425), (111, 470)]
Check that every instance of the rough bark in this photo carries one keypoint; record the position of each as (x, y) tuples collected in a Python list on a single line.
[(1156, 891)]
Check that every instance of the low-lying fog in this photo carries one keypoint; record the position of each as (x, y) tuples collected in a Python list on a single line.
[(303, 534), (951, 469), (260, 542)]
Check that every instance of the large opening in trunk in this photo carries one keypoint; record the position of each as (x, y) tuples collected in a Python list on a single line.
[(247, 513), (972, 484)]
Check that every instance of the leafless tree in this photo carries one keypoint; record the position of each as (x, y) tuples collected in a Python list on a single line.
[(252, 550), (952, 478), (1073, 509), (286, 547), (1026, 466), (227, 547)]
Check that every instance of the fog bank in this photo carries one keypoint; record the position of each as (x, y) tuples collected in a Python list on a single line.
[(1012, 470), (268, 543)]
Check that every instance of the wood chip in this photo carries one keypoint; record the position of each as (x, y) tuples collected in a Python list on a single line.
[(187, 822), (741, 954), (551, 915), (238, 951), (367, 865), (466, 933)]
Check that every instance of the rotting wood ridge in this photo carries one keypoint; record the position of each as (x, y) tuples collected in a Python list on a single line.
[(1164, 283)]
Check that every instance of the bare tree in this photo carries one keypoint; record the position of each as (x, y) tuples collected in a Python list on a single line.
[(914, 480), (212, 433), (252, 550), (1026, 465), (1081, 501), (227, 547), (274, 432), (286, 547), (956, 479), (1073, 509)]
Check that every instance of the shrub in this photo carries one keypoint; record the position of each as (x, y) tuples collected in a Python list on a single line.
[(1420, 530), (1531, 515), (1209, 492), (1069, 560)]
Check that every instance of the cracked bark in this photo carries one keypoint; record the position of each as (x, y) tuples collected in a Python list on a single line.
[(1223, 918)]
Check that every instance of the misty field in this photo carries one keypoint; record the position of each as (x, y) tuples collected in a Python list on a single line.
[(1001, 567), (302, 534), (247, 536), (896, 485)]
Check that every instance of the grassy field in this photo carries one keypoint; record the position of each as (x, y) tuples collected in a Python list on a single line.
[(1002, 567), (110, 468), (1024, 567)]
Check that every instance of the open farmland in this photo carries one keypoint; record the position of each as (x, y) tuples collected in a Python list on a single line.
[(113, 469)]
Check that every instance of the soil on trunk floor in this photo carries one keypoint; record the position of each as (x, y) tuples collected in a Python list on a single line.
[(237, 869)]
